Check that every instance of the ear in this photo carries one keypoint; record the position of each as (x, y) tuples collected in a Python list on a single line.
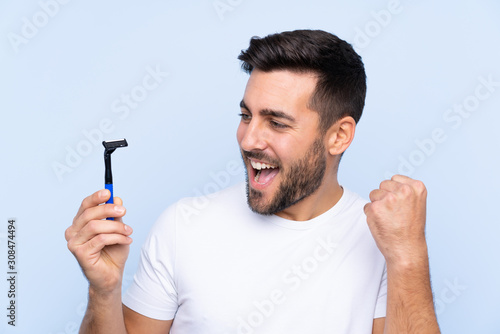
[(340, 135)]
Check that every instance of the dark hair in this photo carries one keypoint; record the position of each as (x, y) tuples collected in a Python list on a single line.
[(341, 86)]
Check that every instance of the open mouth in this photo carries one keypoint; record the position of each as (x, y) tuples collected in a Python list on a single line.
[(263, 173)]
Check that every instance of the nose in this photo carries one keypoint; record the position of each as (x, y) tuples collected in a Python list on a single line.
[(252, 136)]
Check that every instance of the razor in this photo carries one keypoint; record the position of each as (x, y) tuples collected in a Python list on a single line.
[(109, 147)]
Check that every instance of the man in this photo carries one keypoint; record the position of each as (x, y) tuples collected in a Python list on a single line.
[(300, 256)]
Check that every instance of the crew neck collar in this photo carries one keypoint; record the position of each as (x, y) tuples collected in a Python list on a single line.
[(308, 224)]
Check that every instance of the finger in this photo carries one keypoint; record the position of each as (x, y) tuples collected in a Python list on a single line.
[(402, 179), (97, 243), (407, 185), (417, 186), (390, 185), (99, 197), (96, 227), (378, 195), (96, 213), (366, 208)]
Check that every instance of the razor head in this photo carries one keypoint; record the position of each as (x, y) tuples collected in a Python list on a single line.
[(111, 145)]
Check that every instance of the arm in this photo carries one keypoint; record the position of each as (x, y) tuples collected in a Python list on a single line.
[(396, 218), (101, 248), (410, 307), (104, 313), (108, 315), (137, 323), (378, 326)]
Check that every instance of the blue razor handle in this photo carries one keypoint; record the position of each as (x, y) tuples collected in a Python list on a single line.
[(109, 186)]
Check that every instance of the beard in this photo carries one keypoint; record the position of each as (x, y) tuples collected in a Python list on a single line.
[(301, 179)]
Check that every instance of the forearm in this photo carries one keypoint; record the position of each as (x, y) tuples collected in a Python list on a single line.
[(410, 307), (104, 314)]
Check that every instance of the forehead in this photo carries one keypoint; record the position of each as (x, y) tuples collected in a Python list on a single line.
[(279, 90)]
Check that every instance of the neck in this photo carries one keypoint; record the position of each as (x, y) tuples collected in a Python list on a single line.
[(322, 200)]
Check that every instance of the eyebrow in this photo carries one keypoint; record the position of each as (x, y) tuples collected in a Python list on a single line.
[(270, 112)]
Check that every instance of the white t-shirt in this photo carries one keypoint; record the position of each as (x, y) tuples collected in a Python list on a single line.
[(217, 267)]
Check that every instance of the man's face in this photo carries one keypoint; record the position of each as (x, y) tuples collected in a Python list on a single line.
[(278, 135)]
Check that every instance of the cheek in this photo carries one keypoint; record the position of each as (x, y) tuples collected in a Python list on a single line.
[(289, 150), (240, 133)]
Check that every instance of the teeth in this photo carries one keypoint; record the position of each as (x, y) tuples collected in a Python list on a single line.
[(257, 175), (260, 166)]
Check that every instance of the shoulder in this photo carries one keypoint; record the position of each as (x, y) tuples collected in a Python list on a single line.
[(353, 218), (353, 203)]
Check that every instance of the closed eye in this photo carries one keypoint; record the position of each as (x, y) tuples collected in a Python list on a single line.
[(278, 125)]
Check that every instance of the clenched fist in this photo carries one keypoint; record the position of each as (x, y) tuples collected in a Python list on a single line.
[(396, 218)]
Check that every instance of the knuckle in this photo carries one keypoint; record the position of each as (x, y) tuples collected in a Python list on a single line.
[(84, 216), (68, 234), (92, 226), (99, 239), (406, 189), (391, 198), (87, 216), (372, 195), (420, 186), (372, 211), (71, 247), (93, 243), (367, 207)]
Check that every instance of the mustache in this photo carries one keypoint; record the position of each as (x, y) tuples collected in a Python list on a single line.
[(259, 155)]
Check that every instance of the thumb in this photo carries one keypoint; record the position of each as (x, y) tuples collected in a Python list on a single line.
[(117, 200)]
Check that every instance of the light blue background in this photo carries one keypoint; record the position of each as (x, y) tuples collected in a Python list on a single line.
[(62, 82)]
